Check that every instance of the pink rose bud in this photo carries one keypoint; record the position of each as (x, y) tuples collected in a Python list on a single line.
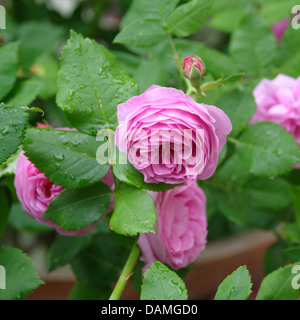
[(193, 68), (169, 137), (35, 191), (181, 227), (279, 28)]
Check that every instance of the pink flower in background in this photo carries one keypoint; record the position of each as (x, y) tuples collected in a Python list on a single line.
[(35, 191), (181, 227), (279, 28), (278, 100), (145, 124)]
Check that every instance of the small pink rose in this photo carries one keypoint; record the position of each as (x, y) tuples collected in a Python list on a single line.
[(181, 227), (35, 191), (278, 100)]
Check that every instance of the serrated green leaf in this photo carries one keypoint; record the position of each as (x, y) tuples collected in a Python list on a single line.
[(236, 286), (80, 208), (21, 278), (253, 46), (134, 211), (188, 18), (8, 67), (278, 285), (13, 122), (268, 149), (91, 85), (160, 283), (68, 158), (64, 249)]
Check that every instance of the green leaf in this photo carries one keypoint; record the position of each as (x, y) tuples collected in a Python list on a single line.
[(45, 69), (269, 193), (292, 232), (127, 173), (4, 208), (12, 129), (83, 292), (143, 24), (274, 11), (160, 283), (278, 285), (134, 211), (239, 105), (188, 18), (274, 257), (79, 208), (227, 15), (151, 72), (236, 286), (24, 93), (141, 33), (235, 205), (8, 67), (268, 149), (292, 253), (68, 158), (100, 263), (91, 85), (64, 249), (47, 38), (21, 278), (253, 46), (21, 221)]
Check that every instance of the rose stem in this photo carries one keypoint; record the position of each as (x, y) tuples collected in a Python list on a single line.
[(127, 270)]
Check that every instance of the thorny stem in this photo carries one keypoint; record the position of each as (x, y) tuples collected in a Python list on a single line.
[(126, 272)]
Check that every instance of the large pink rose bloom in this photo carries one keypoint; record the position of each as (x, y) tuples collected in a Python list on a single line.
[(198, 133), (35, 191), (278, 100), (181, 227)]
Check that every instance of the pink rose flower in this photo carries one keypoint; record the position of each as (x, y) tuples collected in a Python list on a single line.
[(278, 100), (181, 227), (279, 28), (35, 191), (169, 137)]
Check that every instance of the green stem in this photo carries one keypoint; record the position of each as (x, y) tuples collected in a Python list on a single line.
[(178, 62), (127, 270)]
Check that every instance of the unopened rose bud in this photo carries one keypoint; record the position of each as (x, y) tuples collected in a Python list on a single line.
[(193, 68)]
